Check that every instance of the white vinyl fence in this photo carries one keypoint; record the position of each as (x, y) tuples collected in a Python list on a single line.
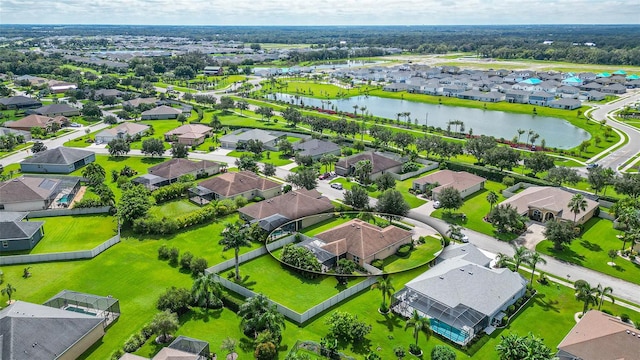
[(67, 212), (60, 256)]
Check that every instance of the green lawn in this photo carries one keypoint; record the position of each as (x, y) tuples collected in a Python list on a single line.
[(591, 251), (420, 255), (272, 157), (173, 208), (325, 225), (318, 90), (73, 233), (402, 186)]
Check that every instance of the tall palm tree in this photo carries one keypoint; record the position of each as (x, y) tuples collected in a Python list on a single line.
[(587, 294), (533, 260), (386, 288), (492, 198), (418, 324), (207, 292), (520, 132), (258, 314), (604, 291), (233, 237), (520, 256), (577, 204), (8, 291)]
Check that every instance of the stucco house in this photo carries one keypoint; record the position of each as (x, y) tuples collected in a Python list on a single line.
[(60, 160), (189, 134), (16, 234), (565, 104), (462, 181), (139, 101), (460, 295), (162, 112), (170, 171), (316, 148), (543, 203), (25, 134), (29, 193), (20, 102), (541, 98), (32, 121), (122, 131), (238, 138), (59, 109), (381, 163), (231, 185)]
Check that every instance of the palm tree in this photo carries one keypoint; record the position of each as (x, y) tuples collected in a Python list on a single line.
[(604, 291), (492, 198), (8, 291), (418, 324), (533, 260), (521, 255), (207, 292), (386, 288), (520, 132), (355, 110), (94, 172), (587, 294), (577, 204), (258, 314), (502, 259), (233, 237)]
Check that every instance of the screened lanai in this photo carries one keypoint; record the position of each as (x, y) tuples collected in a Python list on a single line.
[(100, 306)]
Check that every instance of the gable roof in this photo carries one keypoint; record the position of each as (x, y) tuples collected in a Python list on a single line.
[(175, 168), (231, 184), (315, 147), (37, 332), (599, 336), (292, 205), (25, 189), (360, 238), (19, 230), (58, 156), (547, 198), (162, 110), (379, 161), (459, 180)]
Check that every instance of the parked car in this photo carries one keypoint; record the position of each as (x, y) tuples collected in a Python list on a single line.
[(436, 204), (592, 166), (460, 237), (76, 125), (337, 186), (324, 176)]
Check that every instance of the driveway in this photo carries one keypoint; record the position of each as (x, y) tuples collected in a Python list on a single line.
[(533, 236)]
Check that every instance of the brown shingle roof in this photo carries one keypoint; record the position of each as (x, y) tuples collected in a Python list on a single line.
[(162, 110), (34, 120), (546, 198), (175, 168), (361, 238), (378, 160), (231, 184), (292, 205), (27, 189), (460, 180), (599, 336), (189, 128)]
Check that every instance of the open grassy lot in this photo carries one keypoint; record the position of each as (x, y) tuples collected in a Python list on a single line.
[(318, 90), (273, 157), (173, 208), (592, 248)]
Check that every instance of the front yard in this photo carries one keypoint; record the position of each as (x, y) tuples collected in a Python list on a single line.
[(402, 186)]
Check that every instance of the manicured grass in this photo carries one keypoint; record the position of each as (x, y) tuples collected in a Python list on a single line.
[(325, 225), (476, 207), (591, 251), (173, 208), (73, 233), (420, 255), (318, 90), (402, 186), (273, 157)]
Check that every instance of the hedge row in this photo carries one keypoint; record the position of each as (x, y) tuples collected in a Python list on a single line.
[(171, 192)]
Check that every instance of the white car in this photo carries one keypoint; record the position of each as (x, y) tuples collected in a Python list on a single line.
[(436, 204), (336, 186), (460, 237)]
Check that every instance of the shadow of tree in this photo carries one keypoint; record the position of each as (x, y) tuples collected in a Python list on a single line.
[(391, 321), (590, 246), (546, 305)]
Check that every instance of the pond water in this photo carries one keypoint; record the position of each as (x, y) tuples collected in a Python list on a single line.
[(557, 133)]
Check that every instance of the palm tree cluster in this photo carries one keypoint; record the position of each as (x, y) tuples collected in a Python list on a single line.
[(592, 295), (521, 255), (259, 315)]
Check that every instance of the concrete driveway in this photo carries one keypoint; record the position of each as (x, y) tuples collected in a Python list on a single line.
[(533, 236)]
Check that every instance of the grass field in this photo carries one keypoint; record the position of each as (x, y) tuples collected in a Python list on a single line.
[(592, 248), (402, 186), (173, 208), (273, 157)]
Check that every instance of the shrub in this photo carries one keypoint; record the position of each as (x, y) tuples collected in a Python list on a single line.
[(257, 199), (378, 263), (241, 201), (347, 151), (170, 192), (607, 312), (116, 355), (163, 252), (266, 351), (231, 303), (87, 203), (414, 349), (511, 309), (505, 320), (404, 250), (358, 145), (185, 261), (624, 317), (399, 351), (134, 342), (174, 253), (175, 299), (409, 167), (198, 266)]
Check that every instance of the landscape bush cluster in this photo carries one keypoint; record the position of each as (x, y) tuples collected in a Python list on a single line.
[(170, 192)]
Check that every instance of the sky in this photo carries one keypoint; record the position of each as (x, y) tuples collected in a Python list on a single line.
[(320, 12)]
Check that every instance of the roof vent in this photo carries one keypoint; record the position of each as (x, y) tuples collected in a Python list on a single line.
[(461, 269), (628, 332), (441, 277), (470, 272)]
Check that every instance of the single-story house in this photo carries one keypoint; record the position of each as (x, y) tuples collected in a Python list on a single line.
[(33, 80), (565, 104), (598, 336), (28, 193), (32, 121), (139, 101), (16, 234), (38, 332), (231, 185), (543, 203), (466, 183), (20, 102), (568, 92), (57, 87), (213, 70), (189, 134), (481, 96), (395, 87), (614, 89), (162, 112), (381, 163), (592, 95), (316, 148), (238, 138), (360, 241), (460, 297), (101, 94), (60, 160), (294, 205), (122, 131), (59, 109), (6, 131), (170, 171), (541, 98)]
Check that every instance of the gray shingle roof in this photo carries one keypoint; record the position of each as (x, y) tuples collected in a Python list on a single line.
[(59, 156), (19, 101), (315, 147), (19, 230), (27, 189), (255, 134), (163, 110), (54, 109), (465, 251)]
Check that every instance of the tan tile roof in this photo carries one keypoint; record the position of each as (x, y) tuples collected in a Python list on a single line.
[(231, 184), (189, 128), (459, 180), (138, 101), (292, 205), (175, 168), (599, 336), (168, 353), (128, 128), (546, 198), (162, 110), (361, 238), (379, 161)]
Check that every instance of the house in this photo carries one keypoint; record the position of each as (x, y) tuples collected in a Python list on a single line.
[(139, 101), (568, 92), (20, 102), (396, 87), (316, 148), (381, 163), (59, 109), (565, 104), (162, 112), (122, 131), (32, 80), (213, 70), (58, 87), (60, 160), (170, 171), (360, 241), (572, 81), (189, 134), (25, 134), (541, 98), (239, 138), (37, 332), (614, 89), (232, 185), (517, 96), (543, 203), (462, 181), (460, 295), (182, 348), (295, 205), (101, 94), (598, 336), (15, 234), (28, 193), (32, 121)]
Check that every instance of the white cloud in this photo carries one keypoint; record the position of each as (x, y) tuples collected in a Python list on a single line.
[(325, 12)]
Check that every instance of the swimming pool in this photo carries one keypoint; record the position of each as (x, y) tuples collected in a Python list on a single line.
[(80, 310), (446, 330), (65, 199)]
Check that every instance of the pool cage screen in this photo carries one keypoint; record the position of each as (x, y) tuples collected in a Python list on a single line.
[(88, 304), (192, 346)]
